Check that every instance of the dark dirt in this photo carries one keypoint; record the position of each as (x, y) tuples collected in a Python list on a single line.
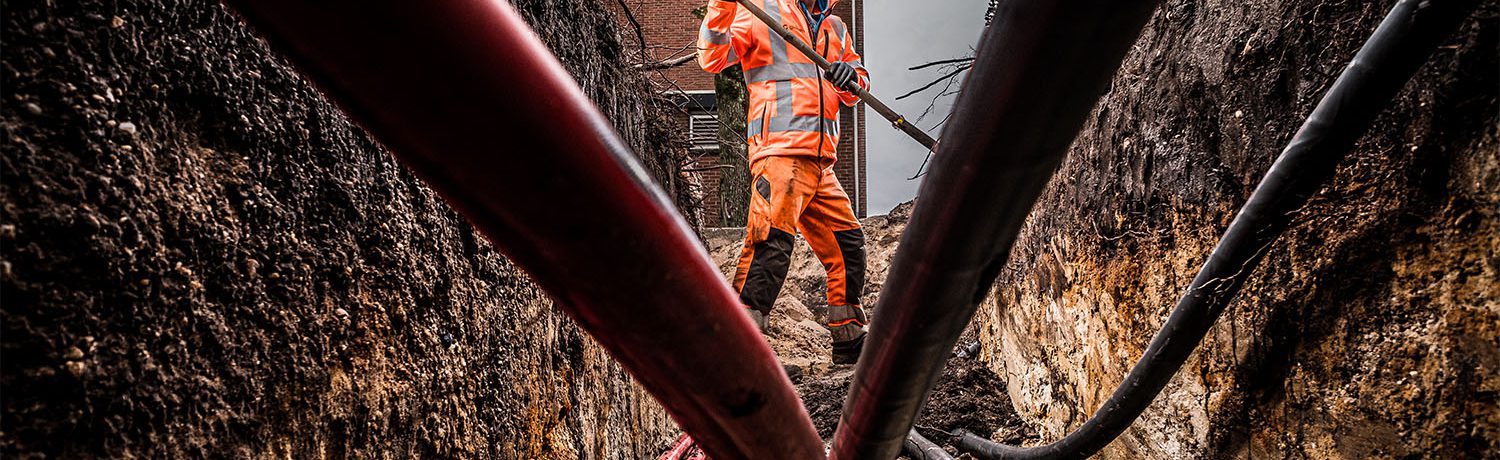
[(968, 395), (204, 258), (824, 398)]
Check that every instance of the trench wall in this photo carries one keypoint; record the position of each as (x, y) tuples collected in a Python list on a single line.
[(204, 258), (1371, 329)]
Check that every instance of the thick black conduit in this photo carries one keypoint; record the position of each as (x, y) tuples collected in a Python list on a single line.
[(1404, 40), (1038, 72), (918, 447)]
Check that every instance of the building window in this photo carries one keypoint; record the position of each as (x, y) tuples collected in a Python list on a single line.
[(703, 131)]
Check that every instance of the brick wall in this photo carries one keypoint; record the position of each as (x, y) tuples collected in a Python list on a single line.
[(671, 30)]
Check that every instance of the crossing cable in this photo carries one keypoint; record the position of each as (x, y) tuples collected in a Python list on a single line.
[(918, 447), (1403, 41), (466, 94), (1038, 71)]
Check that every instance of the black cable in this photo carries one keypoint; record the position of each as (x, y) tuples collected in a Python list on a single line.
[(918, 447), (1038, 73), (1404, 40)]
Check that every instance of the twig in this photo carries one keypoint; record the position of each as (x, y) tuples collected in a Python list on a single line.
[(945, 61), (922, 166), (667, 64), (639, 35), (932, 104), (941, 79), (708, 168), (928, 158)]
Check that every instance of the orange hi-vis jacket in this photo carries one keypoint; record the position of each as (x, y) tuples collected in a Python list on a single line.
[(793, 110)]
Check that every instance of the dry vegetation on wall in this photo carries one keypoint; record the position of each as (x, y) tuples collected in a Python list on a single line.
[(204, 258), (1371, 328)]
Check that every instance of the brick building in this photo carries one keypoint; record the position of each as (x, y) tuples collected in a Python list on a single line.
[(670, 28)]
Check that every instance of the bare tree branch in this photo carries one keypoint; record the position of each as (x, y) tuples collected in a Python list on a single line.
[(941, 79), (667, 64), (639, 35), (708, 168), (945, 61)]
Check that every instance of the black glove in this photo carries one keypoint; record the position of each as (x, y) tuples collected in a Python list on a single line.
[(842, 76)]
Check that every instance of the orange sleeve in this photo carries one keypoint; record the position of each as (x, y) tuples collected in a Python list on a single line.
[(720, 42), (851, 57)]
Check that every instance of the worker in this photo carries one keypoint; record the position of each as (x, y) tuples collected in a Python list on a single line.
[(793, 132)]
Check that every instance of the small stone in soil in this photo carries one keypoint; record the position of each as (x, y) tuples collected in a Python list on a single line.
[(77, 368)]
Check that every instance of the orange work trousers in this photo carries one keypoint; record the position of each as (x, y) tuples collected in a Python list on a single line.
[(797, 193)]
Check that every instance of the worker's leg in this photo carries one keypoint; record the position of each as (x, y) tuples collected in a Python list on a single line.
[(780, 188), (834, 233)]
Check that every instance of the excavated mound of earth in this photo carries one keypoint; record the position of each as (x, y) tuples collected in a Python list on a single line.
[(968, 395)]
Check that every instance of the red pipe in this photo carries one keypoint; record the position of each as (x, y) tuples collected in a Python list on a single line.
[(464, 93), (684, 442)]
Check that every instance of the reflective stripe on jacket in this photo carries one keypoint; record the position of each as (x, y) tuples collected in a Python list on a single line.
[(785, 115)]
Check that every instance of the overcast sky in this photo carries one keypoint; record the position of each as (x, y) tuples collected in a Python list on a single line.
[(900, 34)]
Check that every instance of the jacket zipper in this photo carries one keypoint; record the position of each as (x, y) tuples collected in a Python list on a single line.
[(765, 125), (813, 34), (821, 119)]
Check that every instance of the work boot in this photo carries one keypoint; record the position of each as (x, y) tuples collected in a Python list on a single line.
[(762, 321), (847, 352), (846, 323)]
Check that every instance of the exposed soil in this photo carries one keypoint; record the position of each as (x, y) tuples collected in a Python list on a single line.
[(204, 258), (1370, 329), (968, 395)]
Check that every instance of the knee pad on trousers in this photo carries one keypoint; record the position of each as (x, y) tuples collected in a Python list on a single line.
[(768, 267), (852, 246)]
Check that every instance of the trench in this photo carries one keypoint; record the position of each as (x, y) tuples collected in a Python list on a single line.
[(207, 223)]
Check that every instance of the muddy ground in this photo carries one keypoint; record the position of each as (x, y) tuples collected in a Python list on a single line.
[(204, 258)]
